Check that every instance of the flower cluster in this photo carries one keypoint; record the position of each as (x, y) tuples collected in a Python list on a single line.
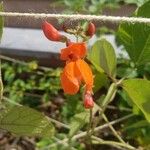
[(76, 70)]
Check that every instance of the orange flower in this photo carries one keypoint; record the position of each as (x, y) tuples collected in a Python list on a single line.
[(73, 51), (76, 71)]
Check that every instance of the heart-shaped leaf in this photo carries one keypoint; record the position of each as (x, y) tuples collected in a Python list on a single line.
[(102, 56)]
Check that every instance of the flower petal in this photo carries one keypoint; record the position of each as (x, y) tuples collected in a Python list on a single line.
[(78, 50), (85, 72), (69, 82)]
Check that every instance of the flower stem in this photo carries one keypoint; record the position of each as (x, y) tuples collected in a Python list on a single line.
[(113, 130), (89, 134), (110, 95), (112, 143), (83, 134)]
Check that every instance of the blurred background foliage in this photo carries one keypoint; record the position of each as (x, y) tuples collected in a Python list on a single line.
[(94, 6)]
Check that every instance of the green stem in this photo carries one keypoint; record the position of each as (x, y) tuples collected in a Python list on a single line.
[(22, 62), (89, 134), (110, 95), (90, 119), (112, 143), (83, 134), (113, 130)]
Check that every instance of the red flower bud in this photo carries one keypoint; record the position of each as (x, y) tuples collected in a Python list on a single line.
[(90, 29), (88, 100), (52, 33)]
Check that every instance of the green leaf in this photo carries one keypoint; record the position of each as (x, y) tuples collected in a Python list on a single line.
[(144, 10), (1, 20), (102, 56), (139, 92), (80, 119), (22, 120), (136, 37), (100, 81)]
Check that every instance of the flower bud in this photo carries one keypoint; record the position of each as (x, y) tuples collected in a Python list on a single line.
[(52, 33), (90, 29), (88, 101)]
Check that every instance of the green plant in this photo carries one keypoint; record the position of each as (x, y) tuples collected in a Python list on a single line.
[(122, 90)]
